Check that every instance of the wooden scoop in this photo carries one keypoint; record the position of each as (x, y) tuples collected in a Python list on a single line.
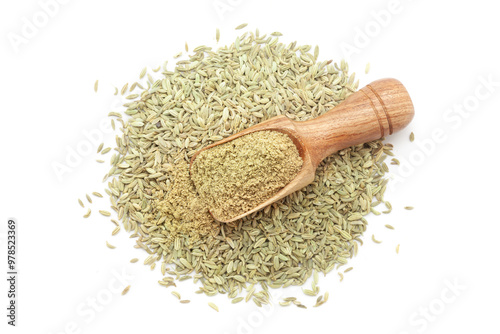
[(377, 110)]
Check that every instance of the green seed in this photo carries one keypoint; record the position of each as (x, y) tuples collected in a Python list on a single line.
[(375, 240), (237, 300), (212, 305), (241, 26)]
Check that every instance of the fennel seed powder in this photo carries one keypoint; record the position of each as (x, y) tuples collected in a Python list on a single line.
[(182, 211), (234, 177)]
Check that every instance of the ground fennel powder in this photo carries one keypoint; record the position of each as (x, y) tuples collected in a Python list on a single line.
[(234, 177)]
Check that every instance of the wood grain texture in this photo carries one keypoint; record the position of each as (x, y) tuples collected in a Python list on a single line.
[(377, 110)]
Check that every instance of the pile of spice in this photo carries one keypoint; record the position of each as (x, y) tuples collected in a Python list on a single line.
[(210, 96), (235, 177)]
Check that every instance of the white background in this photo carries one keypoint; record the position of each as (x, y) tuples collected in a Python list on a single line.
[(443, 51)]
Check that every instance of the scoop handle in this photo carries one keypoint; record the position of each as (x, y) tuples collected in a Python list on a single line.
[(379, 109)]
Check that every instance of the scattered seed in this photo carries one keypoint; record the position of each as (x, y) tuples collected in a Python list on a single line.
[(143, 73), (124, 89), (390, 227), (257, 302), (88, 198), (106, 150), (100, 147), (412, 137), (319, 299), (124, 292), (116, 114), (105, 213), (81, 203), (348, 270), (249, 295), (185, 301), (395, 161), (95, 193), (367, 68), (109, 245), (409, 207), (116, 230), (186, 47), (241, 26), (397, 249), (212, 305), (316, 53), (217, 35), (175, 293), (87, 214), (375, 240), (134, 260), (96, 85), (308, 292)]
